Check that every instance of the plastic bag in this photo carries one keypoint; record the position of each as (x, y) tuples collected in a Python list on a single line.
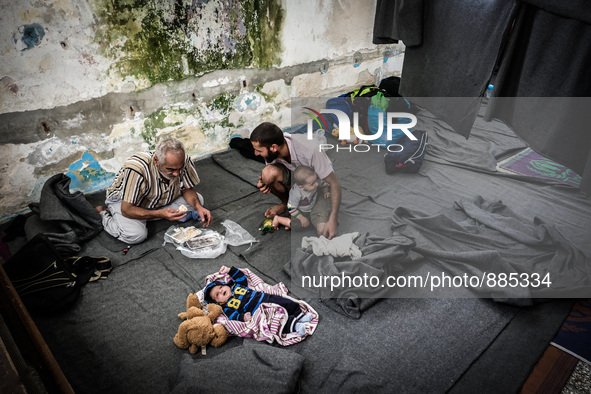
[(205, 243), (196, 243), (236, 235)]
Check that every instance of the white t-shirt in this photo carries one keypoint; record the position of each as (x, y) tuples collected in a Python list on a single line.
[(301, 200)]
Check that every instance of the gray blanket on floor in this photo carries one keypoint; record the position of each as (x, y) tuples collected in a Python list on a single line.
[(118, 336), (317, 276), (251, 368), (486, 239), (477, 248)]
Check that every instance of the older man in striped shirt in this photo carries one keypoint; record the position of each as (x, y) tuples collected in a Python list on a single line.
[(152, 185)]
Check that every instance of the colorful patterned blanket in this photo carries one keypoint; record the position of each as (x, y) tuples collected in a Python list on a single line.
[(268, 320)]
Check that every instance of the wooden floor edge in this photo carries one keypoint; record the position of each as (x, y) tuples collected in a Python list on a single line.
[(551, 372)]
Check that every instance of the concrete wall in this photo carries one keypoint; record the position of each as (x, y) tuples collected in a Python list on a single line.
[(86, 83)]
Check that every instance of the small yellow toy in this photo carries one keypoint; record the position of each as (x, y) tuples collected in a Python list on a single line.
[(266, 226)]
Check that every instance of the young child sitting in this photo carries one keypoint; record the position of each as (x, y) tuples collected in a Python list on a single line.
[(304, 201), (239, 302)]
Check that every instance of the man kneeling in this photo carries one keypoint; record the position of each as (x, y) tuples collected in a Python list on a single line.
[(152, 185)]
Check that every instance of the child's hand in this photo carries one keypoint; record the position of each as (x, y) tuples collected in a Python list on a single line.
[(265, 189), (326, 194), (304, 220), (276, 222), (247, 317), (224, 270)]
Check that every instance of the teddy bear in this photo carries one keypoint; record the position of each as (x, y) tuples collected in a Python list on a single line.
[(198, 329)]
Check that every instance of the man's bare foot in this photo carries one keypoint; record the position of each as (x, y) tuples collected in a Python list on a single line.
[(276, 210), (277, 220), (99, 208)]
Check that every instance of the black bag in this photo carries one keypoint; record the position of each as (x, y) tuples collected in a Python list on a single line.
[(411, 157), (391, 86), (244, 146), (45, 282), (397, 103)]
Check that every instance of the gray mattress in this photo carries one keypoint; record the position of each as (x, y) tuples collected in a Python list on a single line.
[(118, 336)]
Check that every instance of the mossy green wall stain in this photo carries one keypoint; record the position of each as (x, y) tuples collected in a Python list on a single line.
[(148, 38), (264, 21), (222, 103), (152, 124), (269, 98)]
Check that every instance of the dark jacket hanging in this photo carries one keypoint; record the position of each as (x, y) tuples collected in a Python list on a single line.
[(546, 59)]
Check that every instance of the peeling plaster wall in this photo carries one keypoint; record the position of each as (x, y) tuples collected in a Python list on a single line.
[(85, 84), (60, 68), (329, 29)]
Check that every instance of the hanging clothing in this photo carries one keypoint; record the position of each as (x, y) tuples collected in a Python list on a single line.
[(398, 20), (543, 87), (542, 49)]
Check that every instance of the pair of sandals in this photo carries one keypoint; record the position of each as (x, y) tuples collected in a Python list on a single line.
[(89, 268)]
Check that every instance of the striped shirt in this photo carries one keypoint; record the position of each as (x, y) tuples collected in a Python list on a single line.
[(140, 183)]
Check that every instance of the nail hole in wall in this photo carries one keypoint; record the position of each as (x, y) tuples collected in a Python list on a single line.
[(45, 128)]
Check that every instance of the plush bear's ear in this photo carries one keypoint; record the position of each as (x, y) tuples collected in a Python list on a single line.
[(193, 300)]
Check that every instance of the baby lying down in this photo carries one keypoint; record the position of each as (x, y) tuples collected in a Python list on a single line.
[(255, 309)]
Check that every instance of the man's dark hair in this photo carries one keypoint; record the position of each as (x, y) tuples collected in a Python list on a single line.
[(267, 134)]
